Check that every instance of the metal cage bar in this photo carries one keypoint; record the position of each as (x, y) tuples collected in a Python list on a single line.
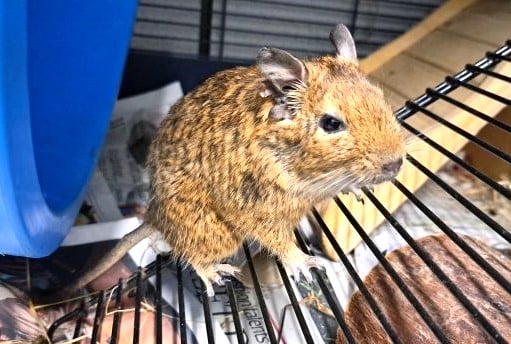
[(440, 92), (490, 61), (181, 305), (356, 278), (98, 319), (331, 300), (138, 303), (207, 314), (469, 109), (158, 301), (116, 324), (259, 294), (296, 307), (430, 263), (234, 311), (475, 172), (453, 236), (393, 274)]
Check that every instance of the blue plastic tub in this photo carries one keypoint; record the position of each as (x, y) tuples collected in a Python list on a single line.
[(61, 65)]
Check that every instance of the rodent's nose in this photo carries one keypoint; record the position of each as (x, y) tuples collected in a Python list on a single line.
[(393, 166)]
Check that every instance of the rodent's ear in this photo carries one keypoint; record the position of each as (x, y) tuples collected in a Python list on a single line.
[(343, 42), (281, 69)]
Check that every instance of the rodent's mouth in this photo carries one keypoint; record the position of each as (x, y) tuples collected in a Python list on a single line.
[(356, 188), (381, 178), (368, 183)]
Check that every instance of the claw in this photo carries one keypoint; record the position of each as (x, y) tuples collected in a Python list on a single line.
[(356, 192), (307, 274), (215, 274), (303, 266), (209, 288), (358, 196), (219, 280)]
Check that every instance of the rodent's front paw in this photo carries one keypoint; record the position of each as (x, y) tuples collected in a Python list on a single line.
[(216, 274), (302, 264)]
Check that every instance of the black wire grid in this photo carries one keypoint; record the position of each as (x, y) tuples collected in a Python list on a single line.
[(484, 67)]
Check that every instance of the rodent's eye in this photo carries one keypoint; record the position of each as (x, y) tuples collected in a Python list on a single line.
[(331, 124)]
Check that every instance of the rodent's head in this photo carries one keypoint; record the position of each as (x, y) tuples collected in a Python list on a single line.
[(332, 128)]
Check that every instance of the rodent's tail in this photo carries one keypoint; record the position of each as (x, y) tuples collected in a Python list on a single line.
[(89, 274)]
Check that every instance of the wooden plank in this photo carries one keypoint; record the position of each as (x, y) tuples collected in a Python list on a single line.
[(490, 7), (389, 51), (413, 179), (493, 29), (448, 51), (408, 76)]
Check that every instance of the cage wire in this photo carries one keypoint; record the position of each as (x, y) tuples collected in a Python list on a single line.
[(145, 293), (234, 30)]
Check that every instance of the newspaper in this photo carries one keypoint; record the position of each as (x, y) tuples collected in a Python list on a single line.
[(120, 175)]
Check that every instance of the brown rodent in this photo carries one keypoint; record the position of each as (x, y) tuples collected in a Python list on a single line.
[(247, 153)]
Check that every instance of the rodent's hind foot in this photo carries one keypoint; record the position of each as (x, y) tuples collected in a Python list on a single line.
[(215, 274), (303, 265)]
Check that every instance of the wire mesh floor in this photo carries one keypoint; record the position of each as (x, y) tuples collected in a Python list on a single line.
[(144, 292)]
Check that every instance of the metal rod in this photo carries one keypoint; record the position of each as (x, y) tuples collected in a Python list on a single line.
[(142, 19), (260, 296), (294, 303), (170, 6), (462, 132), (158, 302), (207, 313), (239, 44), (98, 319), (430, 263), (138, 304), (354, 18), (234, 311), (166, 37), (181, 303), (469, 109), (330, 298), (410, 19), (407, 3), (488, 72), (460, 198), (505, 284), (79, 321), (446, 87), (356, 278), (116, 324), (222, 29), (78, 312), (498, 57), (478, 90), (206, 14), (475, 172), (393, 274)]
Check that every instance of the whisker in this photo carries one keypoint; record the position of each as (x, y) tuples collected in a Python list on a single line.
[(417, 150)]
